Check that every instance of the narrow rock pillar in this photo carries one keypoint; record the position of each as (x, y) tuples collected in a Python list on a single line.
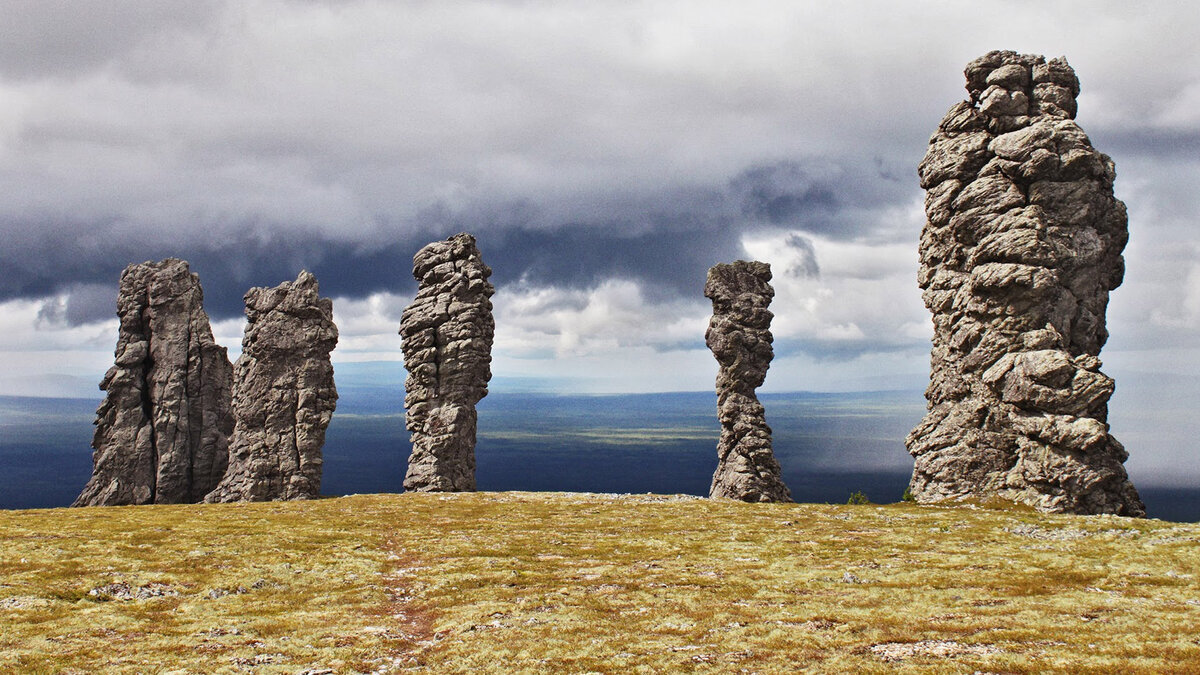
[(447, 340), (739, 335)]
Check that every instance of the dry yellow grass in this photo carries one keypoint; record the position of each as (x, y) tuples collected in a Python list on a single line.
[(522, 582)]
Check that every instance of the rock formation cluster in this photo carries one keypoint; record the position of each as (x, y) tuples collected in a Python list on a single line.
[(1021, 247), (739, 335), (284, 395), (447, 341), (162, 431)]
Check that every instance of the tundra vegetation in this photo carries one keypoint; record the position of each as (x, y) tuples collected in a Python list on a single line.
[(553, 582)]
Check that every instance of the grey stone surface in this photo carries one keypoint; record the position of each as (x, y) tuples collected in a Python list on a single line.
[(1021, 246), (739, 335), (162, 431), (283, 397), (447, 340)]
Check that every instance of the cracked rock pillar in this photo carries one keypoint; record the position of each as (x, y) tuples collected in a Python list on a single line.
[(162, 431), (284, 395), (1021, 246), (739, 335), (447, 340)]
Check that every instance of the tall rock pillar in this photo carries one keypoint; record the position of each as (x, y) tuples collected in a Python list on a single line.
[(283, 397), (739, 335), (162, 431), (1021, 246), (447, 340)]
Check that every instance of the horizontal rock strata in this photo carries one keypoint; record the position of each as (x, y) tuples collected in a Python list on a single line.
[(447, 340), (1021, 247), (739, 335), (284, 395), (162, 431)]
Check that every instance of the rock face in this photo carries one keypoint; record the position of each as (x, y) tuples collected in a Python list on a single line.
[(284, 395), (162, 431), (1021, 247), (447, 333), (739, 335)]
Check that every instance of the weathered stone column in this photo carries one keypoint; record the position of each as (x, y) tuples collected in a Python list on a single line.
[(447, 340), (163, 429), (739, 335), (1021, 247), (283, 397)]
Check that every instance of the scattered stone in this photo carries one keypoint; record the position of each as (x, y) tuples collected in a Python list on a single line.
[(1021, 246), (901, 651), (162, 432), (121, 590), (447, 340), (23, 602), (284, 395), (1066, 533), (739, 335), (220, 631), (216, 593), (256, 660)]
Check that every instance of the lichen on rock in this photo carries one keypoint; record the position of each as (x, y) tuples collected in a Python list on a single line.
[(739, 335), (1021, 247), (284, 395), (447, 340), (162, 432)]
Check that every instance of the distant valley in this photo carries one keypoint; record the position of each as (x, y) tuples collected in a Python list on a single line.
[(829, 444)]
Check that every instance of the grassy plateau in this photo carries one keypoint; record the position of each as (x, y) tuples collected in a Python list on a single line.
[(577, 583)]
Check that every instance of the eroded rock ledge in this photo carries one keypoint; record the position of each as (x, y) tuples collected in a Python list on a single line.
[(1021, 247)]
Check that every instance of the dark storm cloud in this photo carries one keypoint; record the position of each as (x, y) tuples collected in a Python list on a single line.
[(1142, 141), (835, 199), (806, 266), (667, 238), (782, 193), (226, 269), (77, 305)]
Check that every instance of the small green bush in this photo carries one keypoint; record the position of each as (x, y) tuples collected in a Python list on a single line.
[(857, 497)]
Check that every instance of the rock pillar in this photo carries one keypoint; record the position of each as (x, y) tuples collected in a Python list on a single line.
[(1021, 246), (739, 335), (284, 395), (163, 429), (447, 340)]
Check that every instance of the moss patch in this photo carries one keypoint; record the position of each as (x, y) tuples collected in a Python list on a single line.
[(543, 582)]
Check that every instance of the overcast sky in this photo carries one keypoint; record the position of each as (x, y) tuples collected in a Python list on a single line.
[(604, 154)]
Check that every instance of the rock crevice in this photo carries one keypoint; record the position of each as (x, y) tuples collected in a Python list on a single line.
[(447, 340), (739, 335), (1021, 247), (162, 431)]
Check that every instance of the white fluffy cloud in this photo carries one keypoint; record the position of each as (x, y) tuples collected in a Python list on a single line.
[(547, 321), (863, 297)]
